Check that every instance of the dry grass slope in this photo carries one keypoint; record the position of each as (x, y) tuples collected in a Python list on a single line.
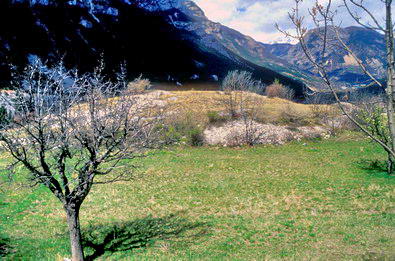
[(201, 102)]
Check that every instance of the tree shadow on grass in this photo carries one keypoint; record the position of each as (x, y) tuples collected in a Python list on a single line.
[(375, 168), (4, 245), (140, 233), (372, 166)]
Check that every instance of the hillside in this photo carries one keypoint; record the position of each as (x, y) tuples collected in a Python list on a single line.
[(289, 59), (163, 49), (177, 43), (368, 46), (224, 40)]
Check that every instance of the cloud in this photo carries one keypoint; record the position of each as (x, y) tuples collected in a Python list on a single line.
[(257, 18)]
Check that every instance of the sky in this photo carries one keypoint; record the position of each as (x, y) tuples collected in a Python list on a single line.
[(257, 18)]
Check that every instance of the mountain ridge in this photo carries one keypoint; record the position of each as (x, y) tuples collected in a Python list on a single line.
[(163, 49), (290, 60), (200, 46)]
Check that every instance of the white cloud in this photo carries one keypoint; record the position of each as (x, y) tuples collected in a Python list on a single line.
[(257, 18), (218, 10)]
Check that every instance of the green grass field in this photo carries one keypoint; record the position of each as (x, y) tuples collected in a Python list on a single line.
[(318, 200)]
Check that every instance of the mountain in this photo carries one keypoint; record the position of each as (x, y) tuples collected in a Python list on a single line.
[(288, 59), (368, 46), (168, 40), (162, 39), (224, 40)]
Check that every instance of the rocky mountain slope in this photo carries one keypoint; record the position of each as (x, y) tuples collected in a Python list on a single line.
[(161, 39), (289, 59), (167, 40), (224, 39), (368, 45)]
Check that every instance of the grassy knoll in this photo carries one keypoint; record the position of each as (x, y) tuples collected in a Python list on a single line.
[(199, 103), (320, 200)]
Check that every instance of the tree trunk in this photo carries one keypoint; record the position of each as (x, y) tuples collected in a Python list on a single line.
[(390, 164), (75, 233), (389, 35)]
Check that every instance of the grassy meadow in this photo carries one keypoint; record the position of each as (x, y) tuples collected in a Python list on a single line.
[(319, 200)]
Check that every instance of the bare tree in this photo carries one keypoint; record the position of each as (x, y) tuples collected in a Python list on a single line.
[(250, 110), (71, 132), (242, 103), (323, 15), (236, 86)]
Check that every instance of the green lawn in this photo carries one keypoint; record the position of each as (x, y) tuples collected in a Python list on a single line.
[(319, 200)]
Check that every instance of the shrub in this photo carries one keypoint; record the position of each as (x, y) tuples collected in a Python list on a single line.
[(241, 81), (215, 117), (235, 85), (170, 135), (375, 120), (182, 128), (139, 85), (330, 116), (195, 137), (278, 90)]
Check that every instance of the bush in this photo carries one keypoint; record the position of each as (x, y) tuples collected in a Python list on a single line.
[(241, 81), (235, 86), (375, 121), (182, 129), (169, 134), (139, 85), (215, 117), (278, 90), (195, 137)]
